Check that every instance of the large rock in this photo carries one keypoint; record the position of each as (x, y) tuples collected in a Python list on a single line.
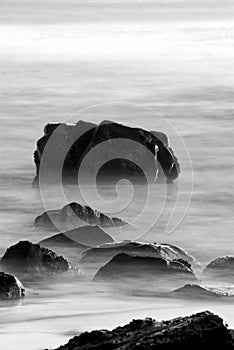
[(71, 244), (159, 272), (65, 246), (221, 269), (10, 287), (28, 258), (81, 238), (103, 253), (63, 241), (194, 291), (126, 159), (200, 331), (74, 215)]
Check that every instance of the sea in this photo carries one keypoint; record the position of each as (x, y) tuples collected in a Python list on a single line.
[(164, 67)]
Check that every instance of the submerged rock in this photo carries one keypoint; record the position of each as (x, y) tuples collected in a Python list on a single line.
[(159, 271), (74, 215), (193, 291), (221, 268), (74, 142), (10, 287), (103, 253), (28, 258), (61, 240), (203, 330), (80, 238)]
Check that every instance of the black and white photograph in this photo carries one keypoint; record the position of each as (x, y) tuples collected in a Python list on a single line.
[(117, 185)]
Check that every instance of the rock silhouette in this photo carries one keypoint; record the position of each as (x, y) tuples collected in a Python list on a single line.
[(81, 238), (74, 142), (103, 253), (10, 287), (28, 258), (74, 215), (221, 268), (193, 291), (61, 240), (203, 330), (159, 271)]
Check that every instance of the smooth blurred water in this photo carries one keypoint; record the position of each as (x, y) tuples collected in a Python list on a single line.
[(187, 75)]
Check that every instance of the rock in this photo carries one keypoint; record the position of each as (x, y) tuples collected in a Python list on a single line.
[(61, 240), (103, 253), (28, 258), (194, 291), (63, 245), (203, 330), (81, 238), (221, 268), (10, 287), (157, 271), (74, 215), (74, 142)]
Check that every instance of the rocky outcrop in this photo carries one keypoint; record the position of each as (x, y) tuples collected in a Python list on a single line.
[(221, 268), (127, 160), (203, 330), (81, 238), (103, 253), (61, 240), (28, 258), (10, 287), (194, 291), (74, 215), (157, 271)]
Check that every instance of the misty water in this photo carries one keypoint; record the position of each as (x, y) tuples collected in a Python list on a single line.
[(187, 77)]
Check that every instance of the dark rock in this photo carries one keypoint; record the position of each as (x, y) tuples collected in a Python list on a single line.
[(74, 215), (221, 268), (61, 240), (103, 253), (10, 287), (81, 238), (76, 141), (28, 258), (161, 136), (63, 245), (203, 330), (159, 271), (194, 291)]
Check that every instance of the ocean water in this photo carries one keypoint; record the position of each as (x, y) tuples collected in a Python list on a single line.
[(181, 70)]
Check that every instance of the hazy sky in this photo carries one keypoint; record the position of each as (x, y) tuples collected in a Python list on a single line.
[(50, 11), (67, 29)]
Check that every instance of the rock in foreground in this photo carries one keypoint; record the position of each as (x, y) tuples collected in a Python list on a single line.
[(10, 287), (28, 258), (156, 271), (71, 143), (200, 331), (74, 215)]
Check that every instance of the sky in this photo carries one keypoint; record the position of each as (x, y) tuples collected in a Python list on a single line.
[(104, 29), (78, 11)]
